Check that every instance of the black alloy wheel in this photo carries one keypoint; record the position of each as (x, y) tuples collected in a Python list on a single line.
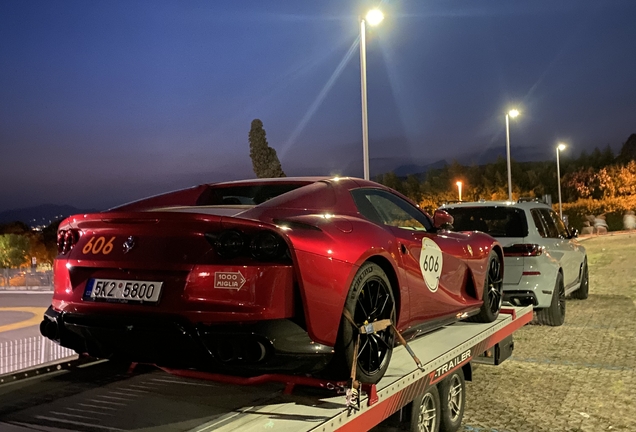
[(554, 315), (562, 299), (584, 287), (493, 291), (370, 299), (495, 285), (374, 303)]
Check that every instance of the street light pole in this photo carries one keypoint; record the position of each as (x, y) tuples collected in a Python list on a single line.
[(363, 83), (373, 17), (512, 113), (459, 187), (559, 148)]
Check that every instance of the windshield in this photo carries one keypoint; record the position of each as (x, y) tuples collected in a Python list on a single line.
[(244, 195), (496, 221)]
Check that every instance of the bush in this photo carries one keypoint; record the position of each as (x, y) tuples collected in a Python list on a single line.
[(612, 208)]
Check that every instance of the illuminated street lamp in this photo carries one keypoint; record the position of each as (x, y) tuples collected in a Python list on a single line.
[(459, 188), (374, 17), (512, 113), (559, 149)]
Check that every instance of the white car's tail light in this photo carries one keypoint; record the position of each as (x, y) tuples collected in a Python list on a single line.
[(523, 250)]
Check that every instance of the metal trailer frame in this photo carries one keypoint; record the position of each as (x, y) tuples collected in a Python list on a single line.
[(441, 352)]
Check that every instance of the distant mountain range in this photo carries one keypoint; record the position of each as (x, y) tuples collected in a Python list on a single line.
[(490, 155), (42, 215)]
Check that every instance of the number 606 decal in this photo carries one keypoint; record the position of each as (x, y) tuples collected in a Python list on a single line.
[(431, 262), (98, 245)]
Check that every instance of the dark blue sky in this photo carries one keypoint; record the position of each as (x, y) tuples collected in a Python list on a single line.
[(103, 102)]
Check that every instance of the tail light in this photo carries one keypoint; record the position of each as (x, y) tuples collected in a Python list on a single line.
[(66, 239), (523, 250), (228, 244), (263, 245), (267, 246)]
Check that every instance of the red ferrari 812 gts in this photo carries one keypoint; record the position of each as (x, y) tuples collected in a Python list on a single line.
[(253, 276)]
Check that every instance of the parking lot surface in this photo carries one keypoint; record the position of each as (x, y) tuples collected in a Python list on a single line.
[(577, 377)]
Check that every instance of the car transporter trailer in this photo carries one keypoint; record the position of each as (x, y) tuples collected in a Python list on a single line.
[(88, 395)]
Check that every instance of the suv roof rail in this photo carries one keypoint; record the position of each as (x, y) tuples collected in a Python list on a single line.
[(530, 199)]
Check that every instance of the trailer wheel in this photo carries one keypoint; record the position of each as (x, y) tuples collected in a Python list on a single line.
[(584, 288), (425, 414), (452, 395), (493, 291), (554, 315), (370, 299)]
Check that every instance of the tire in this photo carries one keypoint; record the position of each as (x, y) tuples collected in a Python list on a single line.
[(425, 412), (584, 288), (554, 315), (370, 289), (493, 291), (452, 395)]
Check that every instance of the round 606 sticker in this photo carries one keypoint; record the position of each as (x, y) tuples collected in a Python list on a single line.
[(431, 261)]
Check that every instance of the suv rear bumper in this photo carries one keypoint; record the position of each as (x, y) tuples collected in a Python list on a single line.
[(521, 298)]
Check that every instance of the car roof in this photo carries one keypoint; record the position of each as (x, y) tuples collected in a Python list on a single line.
[(258, 181), (515, 204)]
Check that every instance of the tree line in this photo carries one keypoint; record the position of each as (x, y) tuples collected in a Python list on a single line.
[(19, 244), (594, 183), (597, 175)]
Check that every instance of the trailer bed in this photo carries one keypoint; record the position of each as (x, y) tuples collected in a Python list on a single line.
[(101, 396)]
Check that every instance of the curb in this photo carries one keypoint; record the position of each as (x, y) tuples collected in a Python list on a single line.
[(47, 291)]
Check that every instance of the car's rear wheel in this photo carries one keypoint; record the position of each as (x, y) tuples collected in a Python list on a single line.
[(370, 299), (584, 288), (493, 291), (554, 315)]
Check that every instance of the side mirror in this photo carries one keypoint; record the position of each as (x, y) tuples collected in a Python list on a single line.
[(442, 220), (574, 233)]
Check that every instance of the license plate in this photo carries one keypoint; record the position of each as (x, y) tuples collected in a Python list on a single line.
[(123, 291)]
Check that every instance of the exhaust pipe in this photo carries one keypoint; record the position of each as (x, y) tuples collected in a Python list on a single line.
[(253, 351), (49, 329), (249, 350)]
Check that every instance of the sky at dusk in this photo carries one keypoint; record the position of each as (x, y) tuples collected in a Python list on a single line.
[(103, 102)]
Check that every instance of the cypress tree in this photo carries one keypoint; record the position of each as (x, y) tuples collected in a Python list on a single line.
[(264, 159)]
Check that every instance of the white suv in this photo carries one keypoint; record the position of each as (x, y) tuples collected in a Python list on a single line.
[(543, 261)]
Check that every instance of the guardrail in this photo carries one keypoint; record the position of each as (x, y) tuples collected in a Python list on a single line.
[(25, 278), (27, 353)]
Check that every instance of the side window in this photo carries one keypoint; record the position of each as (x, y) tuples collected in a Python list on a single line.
[(387, 209), (563, 231), (553, 231), (538, 221)]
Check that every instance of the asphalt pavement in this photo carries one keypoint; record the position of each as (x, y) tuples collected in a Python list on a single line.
[(21, 314)]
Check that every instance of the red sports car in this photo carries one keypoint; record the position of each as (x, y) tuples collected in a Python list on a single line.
[(254, 276)]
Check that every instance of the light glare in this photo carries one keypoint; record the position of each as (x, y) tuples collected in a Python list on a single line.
[(374, 17), (561, 146), (513, 113)]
